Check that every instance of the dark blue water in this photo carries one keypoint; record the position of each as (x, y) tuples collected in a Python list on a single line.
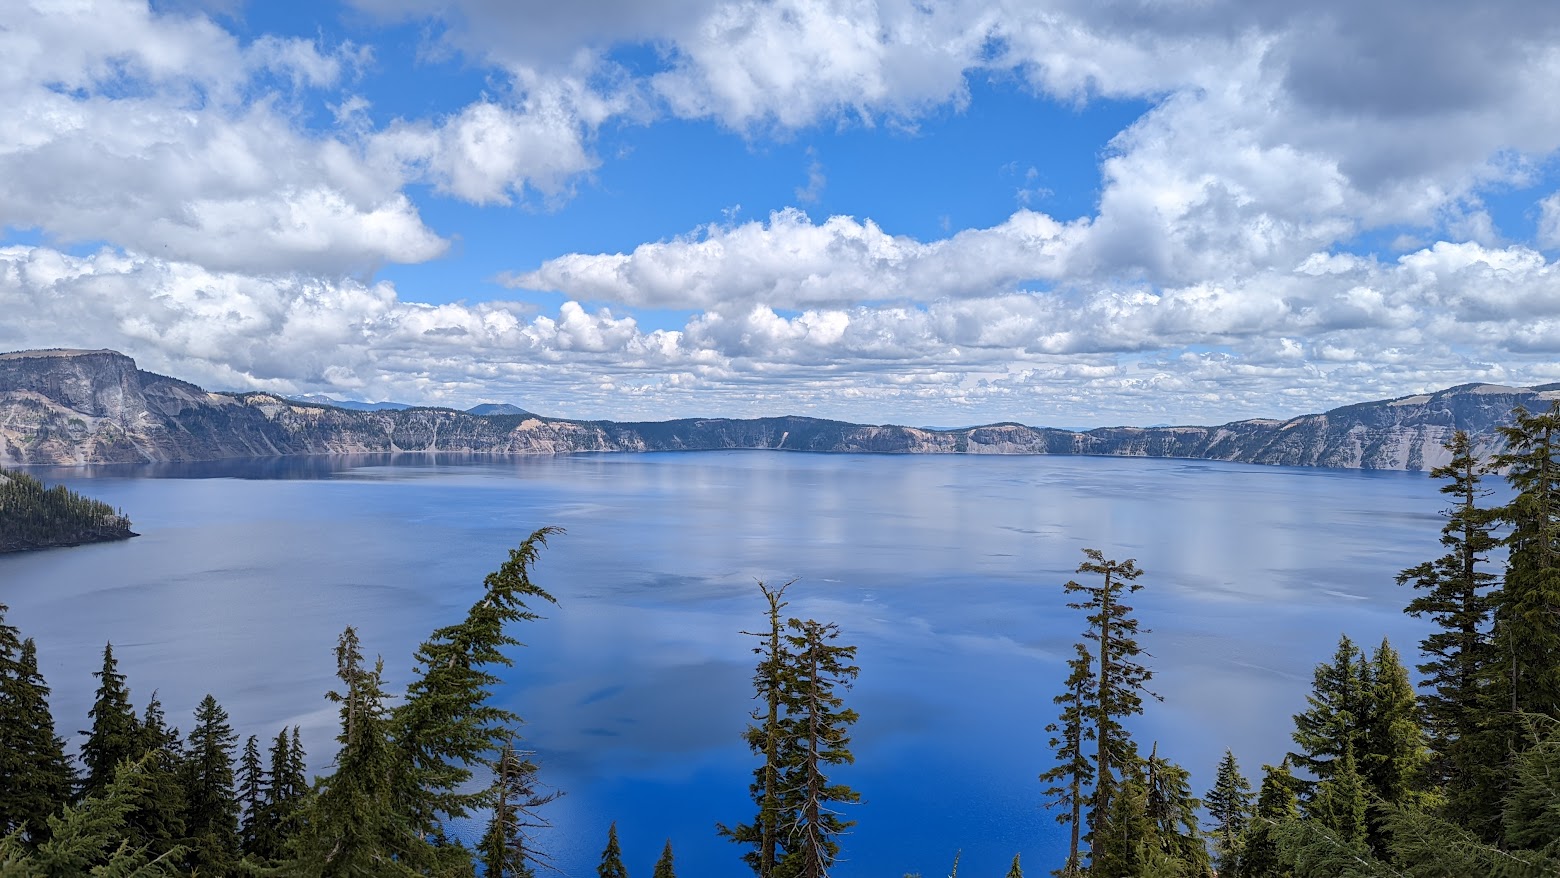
[(946, 572)]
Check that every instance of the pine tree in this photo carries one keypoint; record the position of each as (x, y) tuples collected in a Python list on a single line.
[(1277, 805), (157, 819), (1526, 633), (1171, 810), (35, 777), (1336, 716), (351, 826), (285, 790), (446, 725), (1230, 806), (212, 807), (664, 866), (612, 857), (1340, 800), (114, 733), (1394, 755), (1123, 835), (506, 849), (815, 735), (1121, 680), (763, 738), (1074, 772), (1531, 816), (1015, 871), (251, 795), (1456, 593)]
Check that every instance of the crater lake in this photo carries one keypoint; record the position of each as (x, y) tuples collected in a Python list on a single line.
[(946, 572)]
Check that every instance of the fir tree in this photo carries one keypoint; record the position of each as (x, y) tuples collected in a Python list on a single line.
[(35, 777), (351, 825), (816, 736), (1456, 594), (114, 733), (1123, 834), (1121, 680), (212, 808), (1526, 630), (157, 819), (506, 848), (1074, 772), (446, 725), (285, 790), (1394, 755), (1340, 800), (1277, 804), (1229, 804), (1171, 810), (1531, 816), (1335, 719), (251, 795), (763, 738), (664, 866), (1015, 871), (612, 857)]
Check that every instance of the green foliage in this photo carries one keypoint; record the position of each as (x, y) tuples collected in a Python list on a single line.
[(251, 795), (1121, 680), (88, 839), (612, 857), (506, 849), (664, 867), (35, 778), (1455, 592), (33, 517), (1073, 773), (1335, 717), (446, 726), (1277, 803), (1532, 811), (763, 738), (158, 819), (211, 806), (1015, 870), (1230, 807), (115, 735), (815, 735)]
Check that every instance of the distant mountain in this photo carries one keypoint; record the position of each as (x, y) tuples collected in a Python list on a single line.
[(351, 404), (79, 407), (495, 408)]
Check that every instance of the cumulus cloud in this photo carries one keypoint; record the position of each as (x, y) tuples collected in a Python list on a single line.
[(1337, 328)]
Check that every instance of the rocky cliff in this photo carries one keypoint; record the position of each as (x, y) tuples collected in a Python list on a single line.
[(80, 407)]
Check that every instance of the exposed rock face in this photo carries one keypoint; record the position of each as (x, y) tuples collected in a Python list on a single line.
[(80, 407)]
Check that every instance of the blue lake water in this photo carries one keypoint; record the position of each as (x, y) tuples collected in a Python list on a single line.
[(946, 572)]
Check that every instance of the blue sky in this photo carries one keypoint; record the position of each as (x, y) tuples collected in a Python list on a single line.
[(1053, 212)]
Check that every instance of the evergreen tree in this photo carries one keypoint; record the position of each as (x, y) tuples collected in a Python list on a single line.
[(1277, 804), (157, 819), (1074, 772), (1335, 719), (1456, 594), (114, 734), (1015, 871), (1172, 813), (446, 725), (1230, 806), (763, 738), (1340, 800), (815, 729), (506, 848), (351, 826), (1394, 757), (664, 866), (251, 795), (211, 806), (1123, 835), (285, 790), (89, 838), (1531, 816), (612, 857), (35, 777), (1526, 634), (1121, 680)]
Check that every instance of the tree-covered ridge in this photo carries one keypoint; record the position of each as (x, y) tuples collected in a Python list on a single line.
[(35, 517)]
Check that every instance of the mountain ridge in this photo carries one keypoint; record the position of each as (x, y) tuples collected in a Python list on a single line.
[(78, 407)]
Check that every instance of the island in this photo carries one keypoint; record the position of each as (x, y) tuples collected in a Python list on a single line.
[(33, 516)]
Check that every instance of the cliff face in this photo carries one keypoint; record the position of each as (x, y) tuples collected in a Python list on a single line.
[(81, 407)]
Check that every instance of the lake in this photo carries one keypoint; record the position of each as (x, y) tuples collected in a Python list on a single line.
[(945, 571)]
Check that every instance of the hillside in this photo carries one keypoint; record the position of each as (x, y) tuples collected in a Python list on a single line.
[(83, 407), (35, 517)]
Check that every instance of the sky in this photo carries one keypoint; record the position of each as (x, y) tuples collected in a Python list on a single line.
[(1058, 212)]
